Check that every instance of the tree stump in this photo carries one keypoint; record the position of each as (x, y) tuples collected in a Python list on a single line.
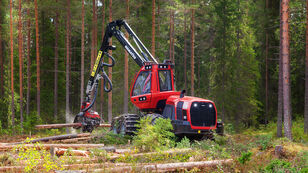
[(279, 151)]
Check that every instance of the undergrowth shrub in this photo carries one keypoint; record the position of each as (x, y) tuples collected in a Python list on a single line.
[(184, 143), (30, 121), (154, 137), (264, 141), (279, 166), (246, 156), (112, 139), (302, 161), (215, 151), (158, 156), (229, 128), (34, 158), (298, 133), (221, 140)]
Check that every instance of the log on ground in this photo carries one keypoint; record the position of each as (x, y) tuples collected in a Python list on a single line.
[(47, 146), (74, 140), (69, 167), (169, 152), (168, 166), (52, 138), (57, 126)]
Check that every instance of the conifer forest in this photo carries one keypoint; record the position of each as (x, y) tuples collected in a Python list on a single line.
[(250, 57)]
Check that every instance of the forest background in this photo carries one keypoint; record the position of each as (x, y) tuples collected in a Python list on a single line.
[(227, 51)]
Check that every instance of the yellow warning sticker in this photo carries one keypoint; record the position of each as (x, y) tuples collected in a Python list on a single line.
[(96, 63)]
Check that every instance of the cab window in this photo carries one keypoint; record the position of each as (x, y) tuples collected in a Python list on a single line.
[(142, 84), (164, 80)]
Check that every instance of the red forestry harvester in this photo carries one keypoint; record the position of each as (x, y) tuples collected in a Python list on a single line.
[(152, 92)]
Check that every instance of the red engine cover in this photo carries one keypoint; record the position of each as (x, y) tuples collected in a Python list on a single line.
[(188, 100)]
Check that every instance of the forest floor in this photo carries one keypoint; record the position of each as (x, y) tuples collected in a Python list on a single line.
[(254, 150)]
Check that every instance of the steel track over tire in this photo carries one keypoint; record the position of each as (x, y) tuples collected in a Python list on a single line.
[(154, 117), (125, 124)]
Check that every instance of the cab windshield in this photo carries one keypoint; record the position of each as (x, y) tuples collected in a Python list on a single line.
[(142, 84)]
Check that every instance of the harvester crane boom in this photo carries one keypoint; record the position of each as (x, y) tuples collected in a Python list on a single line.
[(114, 29)]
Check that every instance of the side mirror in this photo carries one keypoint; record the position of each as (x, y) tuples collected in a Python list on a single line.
[(182, 93)]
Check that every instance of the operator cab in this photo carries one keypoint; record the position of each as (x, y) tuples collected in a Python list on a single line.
[(153, 84)]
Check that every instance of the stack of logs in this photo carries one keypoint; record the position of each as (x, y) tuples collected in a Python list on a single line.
[(82, 152)]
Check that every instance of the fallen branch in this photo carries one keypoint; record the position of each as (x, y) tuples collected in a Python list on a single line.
[(47, 146), (57, 126)]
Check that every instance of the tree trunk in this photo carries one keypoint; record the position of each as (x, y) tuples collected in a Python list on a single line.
[(173, 60), (286, 69), (185, 53), (12, 64), (48, 146), (192, 49), (125, 108), (94, 38), (266, 78), (110, 70), (280, 97), (170, 37), (20, 54), (1, 58), (28, 62), (158, 23), (153, 28), (67, 105), (82, 54), (102, 81), (57, 126), (56, 65), (306, 76), (37, 62)]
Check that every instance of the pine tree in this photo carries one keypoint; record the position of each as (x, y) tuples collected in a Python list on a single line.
[(102, 81), (1, 58), (12, 65), (280, 97), (82, 54), (266, 70), (67, 105), (185, 53), (56, 64), (125, 108), (153, 28), (306, 76), (110, 70), (38, 79), (28, 61), (286, 69), (192, 78), (20, 54)]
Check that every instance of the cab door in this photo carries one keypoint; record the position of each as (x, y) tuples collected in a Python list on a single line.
[(142, 89)]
